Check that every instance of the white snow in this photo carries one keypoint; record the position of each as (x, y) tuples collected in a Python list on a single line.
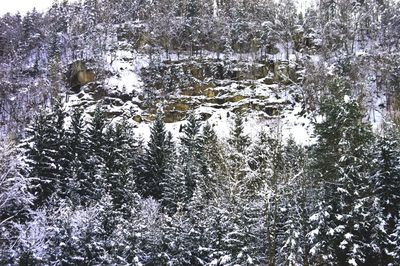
[(127, 68), (352, 261)]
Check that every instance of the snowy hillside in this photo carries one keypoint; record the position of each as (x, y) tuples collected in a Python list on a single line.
[(274, 107), (201, 132)]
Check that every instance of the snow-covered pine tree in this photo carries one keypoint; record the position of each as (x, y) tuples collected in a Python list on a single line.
[(174, 189), (260, 162), (15, 201), (192, 8), (31, 32), (239, 143), (213, 165), (190, 154), (205, 237), (76, 234), (60, 146), (120, 160), (341, 168), (31, 247), (146, 234), (45, 156), (258, 184), (153, 168), (234, 221), (396, 242), (80, 187), (265, 183), (294, 248), (273, 198), (285, 24), (97, 151), (386, 190), (177, 241)]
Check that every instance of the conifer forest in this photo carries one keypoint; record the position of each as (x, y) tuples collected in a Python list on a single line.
[(201, 132)]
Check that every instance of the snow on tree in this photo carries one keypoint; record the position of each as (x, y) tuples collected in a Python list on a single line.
[(120, 164), (79, 185), (15, 201), (190, 154), (155, 162), (212, 162), (341, 168), (294, 243), (44, 158), (174, 188), (385, 183)]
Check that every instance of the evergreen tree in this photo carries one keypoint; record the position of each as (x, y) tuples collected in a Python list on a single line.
[(341, 162), (147, 234), (120, 159), (396, 242), (155, 162), (238, 138), (60, 146), (239, 143), (176, 236), (294, 243), (31, 32), (174, 189), (275, 209), (386, 191), (80, 187), (192, 8), (190, 155), (15, 201), (45, 164), (96, 131), (76, 235), (97, 151), (31, 246), (213, 166), (261, 162)]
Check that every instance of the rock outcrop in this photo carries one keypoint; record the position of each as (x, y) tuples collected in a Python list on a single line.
[(79, 75)]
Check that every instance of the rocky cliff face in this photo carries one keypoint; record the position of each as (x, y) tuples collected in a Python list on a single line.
[(267, 93)]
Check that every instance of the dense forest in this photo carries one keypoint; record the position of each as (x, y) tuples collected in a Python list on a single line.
[(79, 186)]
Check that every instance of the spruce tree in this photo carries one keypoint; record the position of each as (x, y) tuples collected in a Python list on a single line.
[(213, 165), (238, 139), (273, 196), (386, 190), (176, 236), (190, 155), (80, 187), (76, 234), (43, 165), (294, 248), (60, 146), (96, 148), (15, 201), (120, 160), (341, 161), (155, 162), (261, 161), (174, 188), (239, 143), (396, 242)]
